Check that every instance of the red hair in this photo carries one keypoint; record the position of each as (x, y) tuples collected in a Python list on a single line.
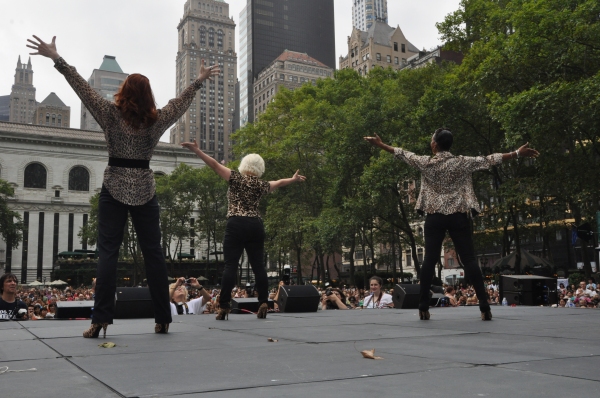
[(136, 101)]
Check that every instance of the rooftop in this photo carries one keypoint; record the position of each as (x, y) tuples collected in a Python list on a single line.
[(53, 100), (109, 63), (288, 55)]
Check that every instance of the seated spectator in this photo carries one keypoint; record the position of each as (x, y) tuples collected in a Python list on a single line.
[(591, 283), (462, 300), (51, 311), (377, 298), (334, 299), (562, 303), (472, 298), (179, 294), (11, 308), (450, 294)]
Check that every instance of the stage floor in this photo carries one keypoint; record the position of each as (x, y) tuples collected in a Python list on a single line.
[(523, 352)]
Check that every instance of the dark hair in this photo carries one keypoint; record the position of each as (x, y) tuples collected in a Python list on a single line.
[(443, 138), (377, 279), (3, 279), (136, 101)]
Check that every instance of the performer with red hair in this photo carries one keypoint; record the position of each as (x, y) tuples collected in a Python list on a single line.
[(132, 128)]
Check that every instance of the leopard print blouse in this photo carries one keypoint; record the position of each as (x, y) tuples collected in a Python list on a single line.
[(131, 186), (244, 195), (446, 180)]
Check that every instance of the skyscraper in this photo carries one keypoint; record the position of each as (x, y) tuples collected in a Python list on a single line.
[(22, 96), (365, 12), (207, 32), (106, 80), (269, 27)]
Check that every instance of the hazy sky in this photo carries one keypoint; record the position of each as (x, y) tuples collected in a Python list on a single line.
[(142, 34)]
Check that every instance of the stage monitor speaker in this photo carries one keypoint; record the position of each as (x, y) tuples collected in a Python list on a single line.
[(438, 300), (437, 289), (407, 296), (247, 305), (74, 309), (530, 298), (527, 283), (133, 302), (298, 298)]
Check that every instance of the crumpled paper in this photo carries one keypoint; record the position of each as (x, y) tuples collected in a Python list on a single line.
[(370, 354)]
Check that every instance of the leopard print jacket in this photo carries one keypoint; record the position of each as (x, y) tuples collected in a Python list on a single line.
[(244, 195), (130, 186), (446, 180)]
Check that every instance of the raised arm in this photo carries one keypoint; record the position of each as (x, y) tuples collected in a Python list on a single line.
[(286, 181), (376, 141), (406, 156), (523, 152), (99, 107), (177, 106), (222, 171)]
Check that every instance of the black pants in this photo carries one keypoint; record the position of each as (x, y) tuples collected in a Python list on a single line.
[(244, 233), (112, 217), (459, 227)]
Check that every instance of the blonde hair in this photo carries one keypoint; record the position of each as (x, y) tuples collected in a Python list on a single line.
[(172, 287), (252, 164)]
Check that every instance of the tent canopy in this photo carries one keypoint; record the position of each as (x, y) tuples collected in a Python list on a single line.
[(527, 259)]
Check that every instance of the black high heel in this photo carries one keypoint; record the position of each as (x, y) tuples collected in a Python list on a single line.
[(94, 331), (162, 328), (223, 314), (424, 315), (262, 311), (486, 315)]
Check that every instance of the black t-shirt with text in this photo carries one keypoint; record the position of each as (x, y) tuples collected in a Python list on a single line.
[(8, 309)]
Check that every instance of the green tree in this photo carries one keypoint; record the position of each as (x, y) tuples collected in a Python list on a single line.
[(11, 226)]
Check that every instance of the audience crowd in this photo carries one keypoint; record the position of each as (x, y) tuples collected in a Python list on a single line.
[(41, 302)]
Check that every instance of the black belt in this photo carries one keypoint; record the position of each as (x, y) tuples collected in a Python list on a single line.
[(129, 163)]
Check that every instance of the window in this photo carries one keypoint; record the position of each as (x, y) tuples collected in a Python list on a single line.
[(378, 57), (408, 259), (396, 60), (389, 59), (403, 47), (395, 46), (35, 176), (79, 179)]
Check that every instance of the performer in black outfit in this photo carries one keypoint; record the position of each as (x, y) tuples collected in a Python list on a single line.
[(11, 308), (448, 199), (132, 128)]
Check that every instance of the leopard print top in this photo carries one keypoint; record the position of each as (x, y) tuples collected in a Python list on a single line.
[(244, 195), (446, 181), (130, 186)]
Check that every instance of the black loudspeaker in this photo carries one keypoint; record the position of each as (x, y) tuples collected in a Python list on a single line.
[(300, 298), (437, 300), (526, 283), (74, 309), (528, 290), (407, 296), (133, 302), (247, 305), (437, 289)]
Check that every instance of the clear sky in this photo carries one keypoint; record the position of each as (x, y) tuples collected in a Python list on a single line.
[(142, 34)]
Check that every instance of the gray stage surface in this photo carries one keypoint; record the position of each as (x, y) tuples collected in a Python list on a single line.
[(523, 352)]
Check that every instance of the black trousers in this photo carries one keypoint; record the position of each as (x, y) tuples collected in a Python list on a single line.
[(244, 233), (112, 217), (459, 228)]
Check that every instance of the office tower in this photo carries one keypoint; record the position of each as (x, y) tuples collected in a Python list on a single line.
[(207, 32), (269, 27), (106, 80), (22, 96), (52, 112), (290, 70), (366, 12)]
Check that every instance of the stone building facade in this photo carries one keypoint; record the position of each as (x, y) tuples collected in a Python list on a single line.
[(381, 46), (53, 112), (22, 96), (290, 70), (54, 172), (207, 32)]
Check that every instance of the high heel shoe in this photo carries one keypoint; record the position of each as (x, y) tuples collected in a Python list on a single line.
[(162, 328), (262, 311), (486, 315), (223, 314), (424, 315), (94, 331)]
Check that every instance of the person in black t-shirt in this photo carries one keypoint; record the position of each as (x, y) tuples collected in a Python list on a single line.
[(11, 308)]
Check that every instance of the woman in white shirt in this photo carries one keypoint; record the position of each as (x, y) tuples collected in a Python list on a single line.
[(377, 298), (179, 295)]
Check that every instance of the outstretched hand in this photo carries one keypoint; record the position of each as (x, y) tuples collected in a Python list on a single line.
[(192, 146), (208, 73), (527, 152), (375, 141), (297, 177), (43, 48)]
